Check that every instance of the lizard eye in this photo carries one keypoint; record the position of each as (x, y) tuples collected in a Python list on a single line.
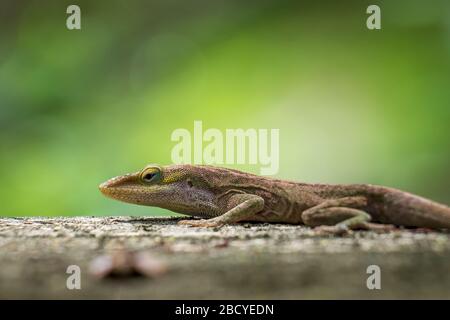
[(150, 175)]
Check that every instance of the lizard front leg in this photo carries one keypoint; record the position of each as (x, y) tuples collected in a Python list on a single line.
[(338, 216), (245, 206)]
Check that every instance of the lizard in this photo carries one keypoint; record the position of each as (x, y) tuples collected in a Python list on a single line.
[(223, 196)]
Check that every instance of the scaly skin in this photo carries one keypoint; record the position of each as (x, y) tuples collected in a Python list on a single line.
[(222, 196)]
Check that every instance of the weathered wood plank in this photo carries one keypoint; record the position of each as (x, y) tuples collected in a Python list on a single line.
[(244, 261)]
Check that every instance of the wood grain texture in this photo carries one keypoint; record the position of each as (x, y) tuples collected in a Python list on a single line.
[(233, 262)]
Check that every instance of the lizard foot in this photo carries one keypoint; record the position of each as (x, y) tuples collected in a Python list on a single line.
[(342, 229), (205, 223), (336, 230), (378, 227)]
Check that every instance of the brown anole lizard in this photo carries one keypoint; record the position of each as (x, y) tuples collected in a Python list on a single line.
[(225, 196)]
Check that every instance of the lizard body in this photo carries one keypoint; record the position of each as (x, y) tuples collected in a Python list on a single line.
[(221, 196)]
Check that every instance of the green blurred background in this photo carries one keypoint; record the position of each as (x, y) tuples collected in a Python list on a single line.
[(352, 105)]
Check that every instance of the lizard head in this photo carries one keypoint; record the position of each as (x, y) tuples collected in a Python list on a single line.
[(180, 188)]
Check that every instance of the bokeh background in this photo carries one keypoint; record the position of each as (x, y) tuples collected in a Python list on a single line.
[(352, 105)]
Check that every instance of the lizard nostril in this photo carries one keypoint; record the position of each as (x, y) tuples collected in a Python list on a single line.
[(189, 182)]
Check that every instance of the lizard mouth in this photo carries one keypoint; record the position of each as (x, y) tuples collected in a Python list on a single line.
[(125, 193), (120, 184), (128, 188)]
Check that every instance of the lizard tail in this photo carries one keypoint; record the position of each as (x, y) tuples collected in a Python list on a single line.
[(416, 211)]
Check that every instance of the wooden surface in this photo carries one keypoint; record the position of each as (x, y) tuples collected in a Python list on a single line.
[(248, 261)]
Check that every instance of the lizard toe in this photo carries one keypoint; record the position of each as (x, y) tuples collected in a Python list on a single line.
[(332, 230), (199, 223), (186, 222)]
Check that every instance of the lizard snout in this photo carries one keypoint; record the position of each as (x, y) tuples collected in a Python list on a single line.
[(117, 182), (103, 186)]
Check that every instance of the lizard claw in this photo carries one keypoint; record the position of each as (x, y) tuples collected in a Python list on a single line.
[(205, 223)]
